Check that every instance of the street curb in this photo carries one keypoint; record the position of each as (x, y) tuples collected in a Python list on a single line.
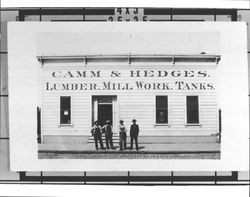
[(124, 152)]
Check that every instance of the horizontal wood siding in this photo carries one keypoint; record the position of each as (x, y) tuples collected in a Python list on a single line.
[(80, 115), (144, 112), (138, 104)]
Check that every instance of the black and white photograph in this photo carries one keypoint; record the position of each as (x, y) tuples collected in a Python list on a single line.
[(129, 95), (114, 92)]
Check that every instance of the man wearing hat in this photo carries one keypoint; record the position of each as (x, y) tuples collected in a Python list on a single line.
[(134, 131), (107, 128), (122, 136), (96, 132)]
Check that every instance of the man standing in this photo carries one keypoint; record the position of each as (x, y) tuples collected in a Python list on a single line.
[(96, 132), (107, 128), (122, 135), (134, 131)]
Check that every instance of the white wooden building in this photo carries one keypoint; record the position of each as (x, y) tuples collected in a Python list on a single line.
[(173, 97)]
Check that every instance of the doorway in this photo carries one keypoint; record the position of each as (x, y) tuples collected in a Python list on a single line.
[(103, 108), (105, 113)]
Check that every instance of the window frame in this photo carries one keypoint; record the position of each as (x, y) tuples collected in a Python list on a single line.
[(155, 111), (71, 111), (186, 111)]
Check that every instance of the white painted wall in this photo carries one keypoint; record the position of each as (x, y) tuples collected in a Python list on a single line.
[(138, 104)]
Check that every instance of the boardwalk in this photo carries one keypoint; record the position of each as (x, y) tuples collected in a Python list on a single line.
[(129, 156)]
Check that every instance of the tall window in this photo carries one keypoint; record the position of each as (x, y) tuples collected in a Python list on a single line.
[(65, 110), (161, 109), (192, 110)]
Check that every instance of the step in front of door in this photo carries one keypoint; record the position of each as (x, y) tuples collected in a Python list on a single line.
[(115, 138)]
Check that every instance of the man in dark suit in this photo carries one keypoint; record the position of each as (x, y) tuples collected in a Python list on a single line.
[(96, 132), (134, 131)]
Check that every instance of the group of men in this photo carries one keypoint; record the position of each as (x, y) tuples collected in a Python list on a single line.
[(97, 132)]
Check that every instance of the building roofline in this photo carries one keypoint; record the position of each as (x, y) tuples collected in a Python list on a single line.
[(131, 58)]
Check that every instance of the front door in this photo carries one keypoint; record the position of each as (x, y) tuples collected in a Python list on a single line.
[(103, 108), (105, 113)]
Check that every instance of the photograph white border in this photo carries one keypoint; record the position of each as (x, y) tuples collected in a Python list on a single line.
[(23, 97)]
